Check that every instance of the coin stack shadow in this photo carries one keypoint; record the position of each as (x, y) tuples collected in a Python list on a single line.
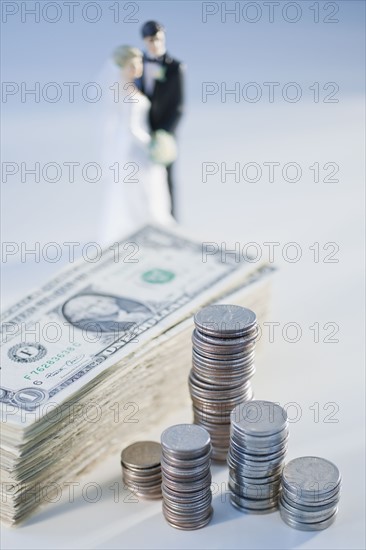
[(258, 444), (186, 476), (310, 491), (141, 470), (222, 366)]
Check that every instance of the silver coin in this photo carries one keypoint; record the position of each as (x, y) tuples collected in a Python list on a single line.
[(186, 440), (314, 496), (314, 501), (241, 454), (188, 512), (196, 496), (225, 320), (131, 481), (224, 366), (270, 447), (139, 472), (241, 460), (209, 398), (316, 526), (261, 475), (253, 471), (147, 491), (307, 516), (142, 483), (254, 491), (253, 467), (224, 398), (257, 466), (246, 510), (185, 473), (150, 492), (187, 487), (224, 381), (223, 363), (254, 453), (141, 455), (142, 474), (307, 505), (204, 387), (217, 396), (217, 403), (190, 526), (223, 354), (192, 497), (187, 464), (234, 474), (177, 502), (191, 509), (254, 504), (256, 440), (311, 475), (221, 346), (196, 513), (260, 418), (232, 342), (210, 420), (241, 360), (174, 476)]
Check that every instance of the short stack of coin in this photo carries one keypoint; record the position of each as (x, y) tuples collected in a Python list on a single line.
[(186, 476), (258, 444), (310, 491), (141, 470), (222, 366)]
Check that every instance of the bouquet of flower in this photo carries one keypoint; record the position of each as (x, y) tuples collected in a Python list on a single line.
[(163, 148)]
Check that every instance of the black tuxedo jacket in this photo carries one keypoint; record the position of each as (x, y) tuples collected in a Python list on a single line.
[(167, 98)]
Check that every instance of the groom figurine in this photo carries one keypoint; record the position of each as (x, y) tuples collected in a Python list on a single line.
[(162, 83)]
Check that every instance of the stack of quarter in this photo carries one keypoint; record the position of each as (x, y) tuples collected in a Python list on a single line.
[(222, 366), (141, 470), (186, 476), (310, 492), (258, 444)]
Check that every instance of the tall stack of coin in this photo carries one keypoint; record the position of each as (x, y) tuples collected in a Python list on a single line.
[(258, 444), (186, 476), (141, 470), (222, 366), (310, 491)]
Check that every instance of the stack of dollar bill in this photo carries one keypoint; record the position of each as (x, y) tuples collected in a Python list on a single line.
[(101, 353)]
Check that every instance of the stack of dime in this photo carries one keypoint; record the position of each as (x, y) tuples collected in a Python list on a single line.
[(186, 476), (310, 492), (141, 470), (222, 366), (258, 444)]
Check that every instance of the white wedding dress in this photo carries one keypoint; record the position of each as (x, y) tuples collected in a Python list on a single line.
[(136, 189)]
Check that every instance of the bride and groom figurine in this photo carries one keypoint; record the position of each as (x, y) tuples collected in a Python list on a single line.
[(145, 116)]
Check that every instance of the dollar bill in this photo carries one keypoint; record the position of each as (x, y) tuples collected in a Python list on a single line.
[(67, 333)]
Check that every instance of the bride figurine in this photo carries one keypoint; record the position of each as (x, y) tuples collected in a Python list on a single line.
[(136, 188)]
